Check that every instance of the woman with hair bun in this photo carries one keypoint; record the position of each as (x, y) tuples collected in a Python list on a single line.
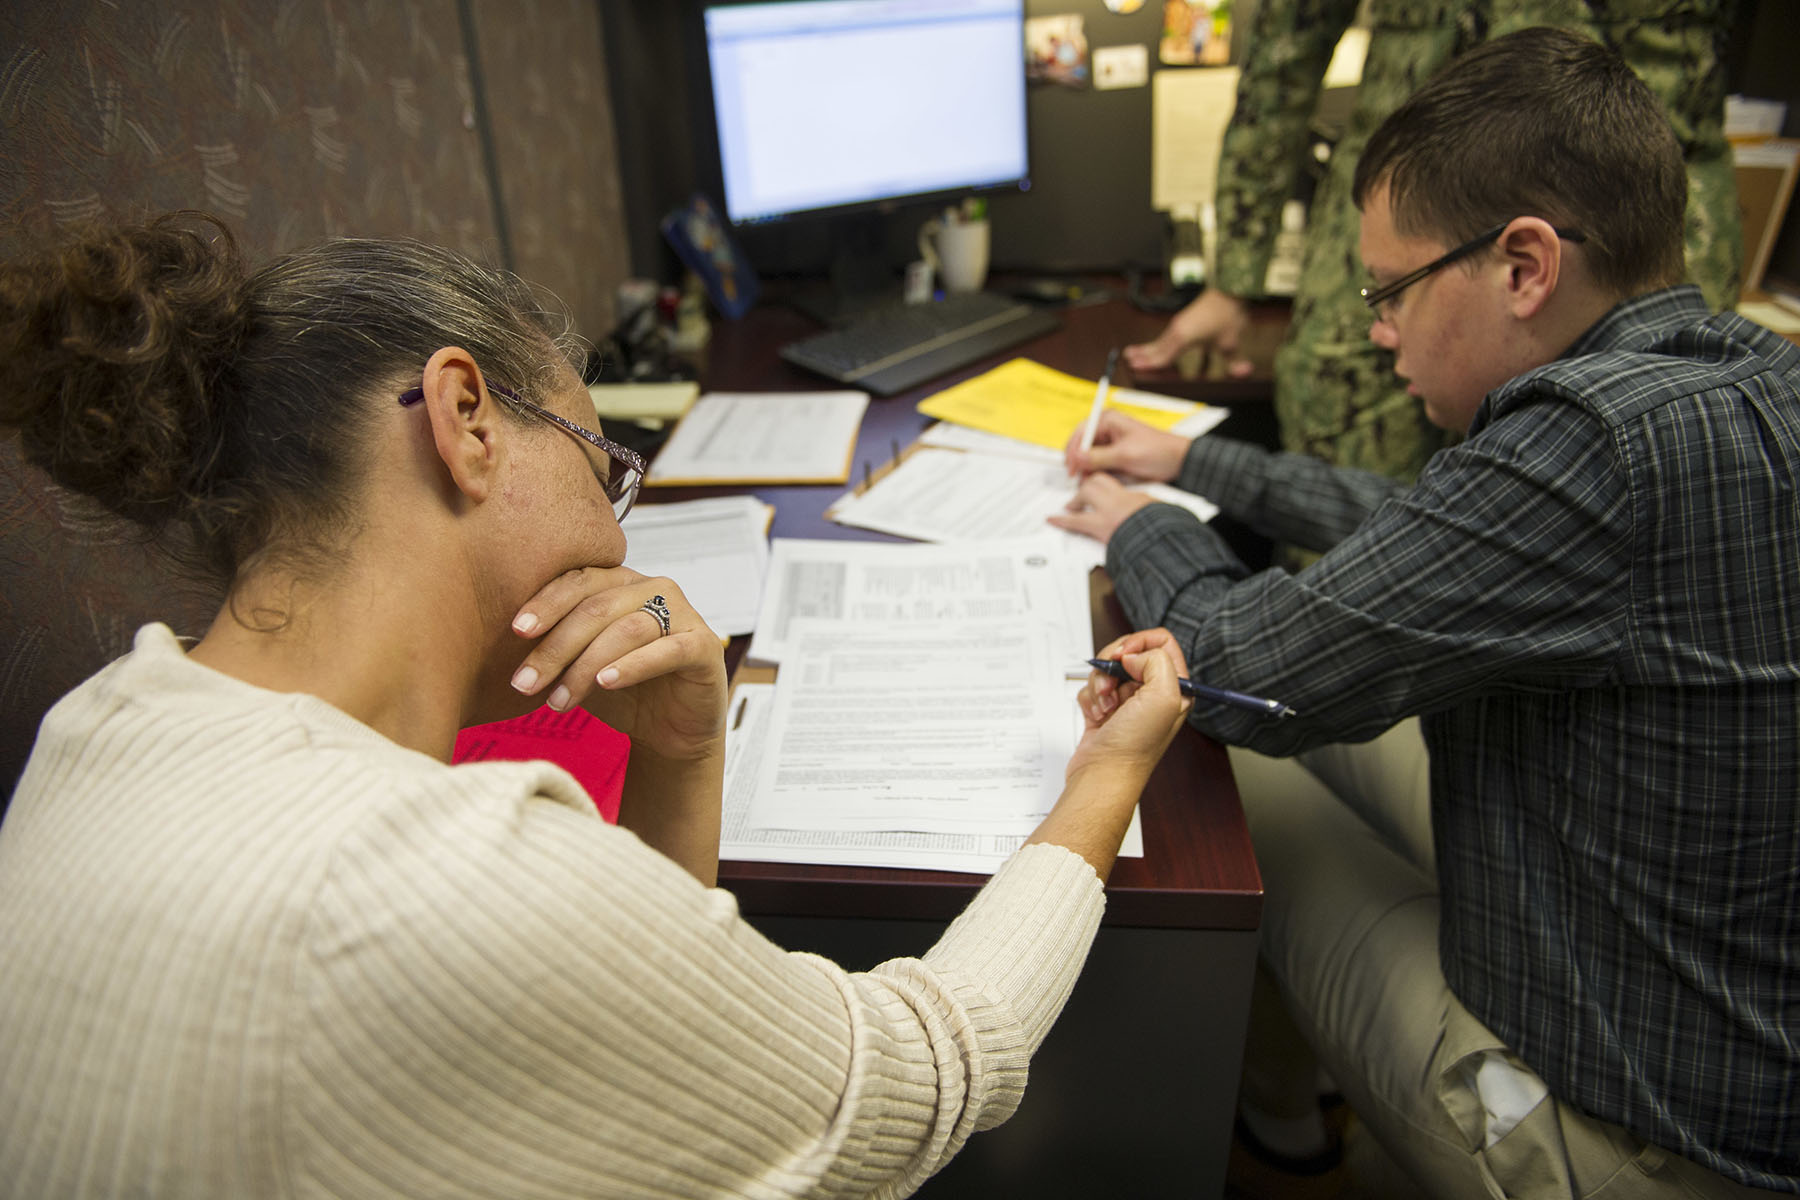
[(261, 938)]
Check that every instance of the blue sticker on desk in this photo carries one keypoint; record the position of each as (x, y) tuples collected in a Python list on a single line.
[(699, 236)]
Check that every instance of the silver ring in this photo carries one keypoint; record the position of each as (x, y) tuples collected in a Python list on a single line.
[(657, 607)]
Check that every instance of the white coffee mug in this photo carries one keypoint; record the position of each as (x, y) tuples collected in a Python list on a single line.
[(957, 250)]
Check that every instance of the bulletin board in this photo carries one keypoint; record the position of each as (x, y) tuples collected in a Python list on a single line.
[(1089, 203)]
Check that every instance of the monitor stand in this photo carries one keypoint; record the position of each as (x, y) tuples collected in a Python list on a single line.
[(860, 278)]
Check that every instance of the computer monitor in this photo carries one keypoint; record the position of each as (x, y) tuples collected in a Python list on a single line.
[(825, 107)]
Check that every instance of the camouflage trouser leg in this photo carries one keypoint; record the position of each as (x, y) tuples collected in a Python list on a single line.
[(1339, 400), (1336, 395)]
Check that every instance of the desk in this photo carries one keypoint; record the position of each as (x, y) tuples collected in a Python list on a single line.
[(1132, 1094)]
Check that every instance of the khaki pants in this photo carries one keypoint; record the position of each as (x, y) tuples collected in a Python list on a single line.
[(1350, 924)]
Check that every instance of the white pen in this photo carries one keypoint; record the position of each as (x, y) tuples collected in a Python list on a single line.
[(1093, 421)]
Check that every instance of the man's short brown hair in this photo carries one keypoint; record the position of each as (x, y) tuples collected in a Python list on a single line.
[(1543, 123)]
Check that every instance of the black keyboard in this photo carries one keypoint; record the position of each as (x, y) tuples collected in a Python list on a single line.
[(897, 346)]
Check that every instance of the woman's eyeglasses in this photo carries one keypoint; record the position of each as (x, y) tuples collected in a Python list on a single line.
[(625, 469)]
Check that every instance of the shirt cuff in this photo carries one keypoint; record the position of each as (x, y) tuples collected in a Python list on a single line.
[(1226, 471), (1162, 552), (1142, 530)]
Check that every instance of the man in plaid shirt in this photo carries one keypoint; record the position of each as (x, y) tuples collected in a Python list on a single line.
[(1545, 937)]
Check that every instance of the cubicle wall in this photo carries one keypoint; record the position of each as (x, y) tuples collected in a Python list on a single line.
[(485, 125), (481, 124)]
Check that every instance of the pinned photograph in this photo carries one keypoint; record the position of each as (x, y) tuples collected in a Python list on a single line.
[(1056, 51), (1196, 33)]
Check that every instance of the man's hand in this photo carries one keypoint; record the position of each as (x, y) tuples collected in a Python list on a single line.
[(1128, 447), (1099, 507), (1215, 320)]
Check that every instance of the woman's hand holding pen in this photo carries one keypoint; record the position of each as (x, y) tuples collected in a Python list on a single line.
[(1128, 727), (1098, 507), (1148, 655)]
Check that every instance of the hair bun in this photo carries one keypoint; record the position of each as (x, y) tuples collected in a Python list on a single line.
[(115, 352)]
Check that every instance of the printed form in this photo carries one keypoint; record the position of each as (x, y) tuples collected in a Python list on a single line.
[(956, 727), (762, 437), (716, 550), (953, 496), (748, 744), (1026, 581)]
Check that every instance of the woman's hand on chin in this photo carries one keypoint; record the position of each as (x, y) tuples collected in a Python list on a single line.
[(599, 644)]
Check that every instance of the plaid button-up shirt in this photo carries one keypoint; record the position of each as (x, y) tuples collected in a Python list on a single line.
[(1594, 603)]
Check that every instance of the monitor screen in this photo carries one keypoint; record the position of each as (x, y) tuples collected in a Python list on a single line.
[(836, 104)]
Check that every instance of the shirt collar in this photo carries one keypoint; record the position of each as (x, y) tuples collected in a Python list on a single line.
[(1634, 324), (1642, 321)]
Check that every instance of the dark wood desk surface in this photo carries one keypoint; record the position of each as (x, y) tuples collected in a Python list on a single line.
[(1198, 871)]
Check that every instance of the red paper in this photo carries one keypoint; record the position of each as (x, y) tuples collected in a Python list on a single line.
[(593, 752)]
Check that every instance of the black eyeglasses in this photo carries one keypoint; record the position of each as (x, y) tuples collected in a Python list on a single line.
[(1376, 297), (625, 469)]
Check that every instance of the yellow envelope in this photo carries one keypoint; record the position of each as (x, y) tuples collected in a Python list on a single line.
[(1034, 403)]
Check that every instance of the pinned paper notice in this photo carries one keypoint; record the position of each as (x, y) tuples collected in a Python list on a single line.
[(1188, 114), (1121, 67)]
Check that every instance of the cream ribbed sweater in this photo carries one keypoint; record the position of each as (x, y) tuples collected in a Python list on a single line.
[(249, 947)]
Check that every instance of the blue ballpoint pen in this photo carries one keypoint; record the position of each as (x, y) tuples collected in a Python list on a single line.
[(1200, 691)]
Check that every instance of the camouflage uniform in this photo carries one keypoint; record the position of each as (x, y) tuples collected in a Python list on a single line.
[(1337, 397)]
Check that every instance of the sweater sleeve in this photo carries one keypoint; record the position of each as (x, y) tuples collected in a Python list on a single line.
[(500, 994)]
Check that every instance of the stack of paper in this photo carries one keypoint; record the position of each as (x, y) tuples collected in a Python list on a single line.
[(752, 743), (1008, 429), (717, 550), (948, 727), (1026, 581), (762, 437), (961, 496), (992, 467), (650, 403), (923, 715)]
